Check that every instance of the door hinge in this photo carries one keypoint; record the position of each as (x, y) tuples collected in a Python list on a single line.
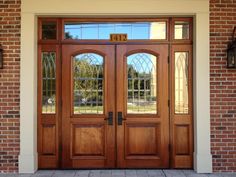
[(168, 59), (168, 103)]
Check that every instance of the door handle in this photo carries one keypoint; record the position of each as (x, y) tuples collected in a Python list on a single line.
[(120, 118), (110, 118)]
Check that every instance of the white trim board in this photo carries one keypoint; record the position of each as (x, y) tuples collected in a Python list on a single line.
[(113, 8)]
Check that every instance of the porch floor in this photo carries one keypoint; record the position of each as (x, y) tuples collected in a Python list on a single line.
[(118, 173)]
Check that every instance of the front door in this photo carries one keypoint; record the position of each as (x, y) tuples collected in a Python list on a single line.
[(115, 106)]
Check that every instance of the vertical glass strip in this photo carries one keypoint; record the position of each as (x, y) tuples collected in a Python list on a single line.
[(48, 82), (181, 83)]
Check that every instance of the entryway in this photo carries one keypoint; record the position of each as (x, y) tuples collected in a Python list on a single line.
[(104, 104)]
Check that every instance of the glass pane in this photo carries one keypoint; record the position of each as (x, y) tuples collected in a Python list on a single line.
[(181, 82), (134, 30), (181, 30), (48, 82), (49, 30), (142, 78), (88, 83)]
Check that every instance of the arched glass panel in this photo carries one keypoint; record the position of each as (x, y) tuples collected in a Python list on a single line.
[(181, 82), (88, 83), (142, 83), (48, 82)]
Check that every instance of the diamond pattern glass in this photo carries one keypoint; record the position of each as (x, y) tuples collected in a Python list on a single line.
[(142, 83), (181, 83), (48, 82), (88, 83)]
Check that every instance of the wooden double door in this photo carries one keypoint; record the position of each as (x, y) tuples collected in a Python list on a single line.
[(115, 106)]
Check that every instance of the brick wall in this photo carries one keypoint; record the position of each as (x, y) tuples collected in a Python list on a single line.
[(9, 85), (223, 86)]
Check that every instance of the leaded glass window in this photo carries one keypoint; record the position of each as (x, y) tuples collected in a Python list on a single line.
[(181, 83), (48, 82), (142, 83), (88, 83)]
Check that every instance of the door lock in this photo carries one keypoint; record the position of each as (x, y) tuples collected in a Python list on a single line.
[(110, 118), (120, 118)]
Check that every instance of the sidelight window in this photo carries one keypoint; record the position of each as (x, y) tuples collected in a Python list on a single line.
[(181, 83), (48, 82)]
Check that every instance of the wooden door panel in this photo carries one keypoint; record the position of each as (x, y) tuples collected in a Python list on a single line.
[(88, 139), (143, 137), (182, 140), (48, 139), (142, 148)]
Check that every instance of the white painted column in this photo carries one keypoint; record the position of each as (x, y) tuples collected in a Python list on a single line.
[(201, 90), (28, 94)]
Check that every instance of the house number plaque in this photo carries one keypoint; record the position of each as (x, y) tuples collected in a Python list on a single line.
[(118, 37)]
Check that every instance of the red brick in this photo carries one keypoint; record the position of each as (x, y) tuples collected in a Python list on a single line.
[(9, 94)]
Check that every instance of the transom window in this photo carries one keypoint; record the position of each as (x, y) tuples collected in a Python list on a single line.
[(102, 30)]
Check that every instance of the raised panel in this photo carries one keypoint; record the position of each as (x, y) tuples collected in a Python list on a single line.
[(182, 140), (88, 140), (142, 139), (48, 140)]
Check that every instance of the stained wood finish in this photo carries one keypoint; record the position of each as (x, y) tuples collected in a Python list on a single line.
[(71, 141), (48, 124), (181, 124), (143, 139), (87, 139)]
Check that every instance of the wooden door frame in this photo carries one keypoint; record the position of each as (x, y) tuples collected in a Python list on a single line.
[(59, 42)]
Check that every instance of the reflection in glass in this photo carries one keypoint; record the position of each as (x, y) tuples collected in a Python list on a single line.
[(181, 82), (49, 30), (48, 82), (181, 30), (88, 83), (134, 30), (142, 93)]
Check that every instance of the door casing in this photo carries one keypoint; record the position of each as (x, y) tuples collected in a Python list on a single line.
[(54, 158)]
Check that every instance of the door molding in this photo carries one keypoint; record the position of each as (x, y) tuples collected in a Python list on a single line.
[(28, 104)]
